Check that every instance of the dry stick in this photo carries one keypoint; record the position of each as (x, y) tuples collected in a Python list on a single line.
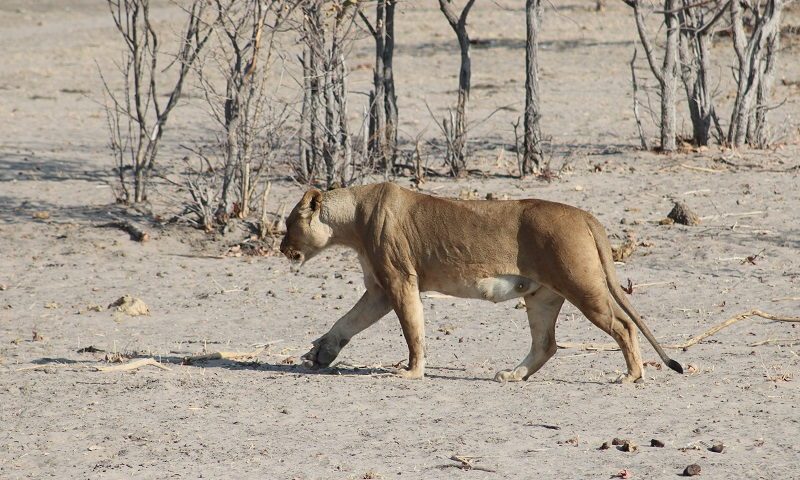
[(606, 347), (466, 464), (727, 323), (135, 232), (223, 356), (142, 362), (776, 341), (590, 347), (703, 169)]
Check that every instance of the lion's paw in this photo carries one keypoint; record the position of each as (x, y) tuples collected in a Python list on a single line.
[(504, 376), (323, 353), (629, 379), (414, 374)]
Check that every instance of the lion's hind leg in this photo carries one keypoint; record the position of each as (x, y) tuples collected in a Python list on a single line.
[(604, 313), (543, 307)]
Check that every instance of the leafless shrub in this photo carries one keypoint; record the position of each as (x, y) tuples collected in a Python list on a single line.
[(756, 56), (697, 20), (454, 126), (533, 160), (667, 73), (383, 113), (136, 117), (326, 32), (250, 118)]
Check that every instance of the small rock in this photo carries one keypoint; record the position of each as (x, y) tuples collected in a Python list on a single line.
[(604, 446), (666, 221), (37, 337), (691, 470), (656, 443), (3, 287), (628, 446), (41, 215), (618, 441), (716, 448), (680, 213), (130, 306)]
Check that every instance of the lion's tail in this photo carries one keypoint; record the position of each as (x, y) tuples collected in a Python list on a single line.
[(604, 250)]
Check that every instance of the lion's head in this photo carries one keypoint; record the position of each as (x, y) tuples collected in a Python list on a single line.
[(306, 235)]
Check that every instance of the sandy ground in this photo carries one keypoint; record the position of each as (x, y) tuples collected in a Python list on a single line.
[(270, 418)]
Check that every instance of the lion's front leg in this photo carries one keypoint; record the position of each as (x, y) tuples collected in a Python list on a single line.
[(408, 306), (543, 307), (372, 306)]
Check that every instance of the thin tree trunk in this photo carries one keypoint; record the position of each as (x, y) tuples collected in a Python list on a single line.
[(379, 87), (669, 83), (345, 141), (533, 159), (390, 98), (457, 157)]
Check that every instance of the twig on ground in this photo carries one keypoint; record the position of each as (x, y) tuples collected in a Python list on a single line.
[(590, 347), (136, 364), (134, 231), (223, 356), (465, 463), (727, 323), (603, 347), (776, 341), (704, 169)]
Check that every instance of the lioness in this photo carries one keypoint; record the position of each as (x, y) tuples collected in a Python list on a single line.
[(409, 243)]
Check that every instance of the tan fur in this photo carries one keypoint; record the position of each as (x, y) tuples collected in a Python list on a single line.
[(407, 243)]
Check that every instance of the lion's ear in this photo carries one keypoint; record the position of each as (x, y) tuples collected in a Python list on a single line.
[(312, 201)]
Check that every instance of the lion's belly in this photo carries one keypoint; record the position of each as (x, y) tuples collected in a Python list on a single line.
[(495, 289)]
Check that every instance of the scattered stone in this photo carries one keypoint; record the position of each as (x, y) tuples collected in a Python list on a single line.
[(130, 306), (291, 361), (447, 329), (666, 221), (691, 470), (656, 443), (618, 441), (91, 349), (3, 287), (717, 448), (41, 215), (628, 446), (604, 446), (574, 441), (624, 473), (37, 337), (622, 252), (681, 214), (52, 305)]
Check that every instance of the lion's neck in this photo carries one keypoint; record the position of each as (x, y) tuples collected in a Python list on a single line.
[(339, 213)]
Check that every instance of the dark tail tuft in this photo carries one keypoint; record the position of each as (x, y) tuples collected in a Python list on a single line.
[(675, 366)]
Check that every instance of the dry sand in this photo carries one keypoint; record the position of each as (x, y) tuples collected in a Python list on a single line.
[(267, 417)]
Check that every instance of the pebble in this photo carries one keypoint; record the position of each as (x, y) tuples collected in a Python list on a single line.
[(691, 470)]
